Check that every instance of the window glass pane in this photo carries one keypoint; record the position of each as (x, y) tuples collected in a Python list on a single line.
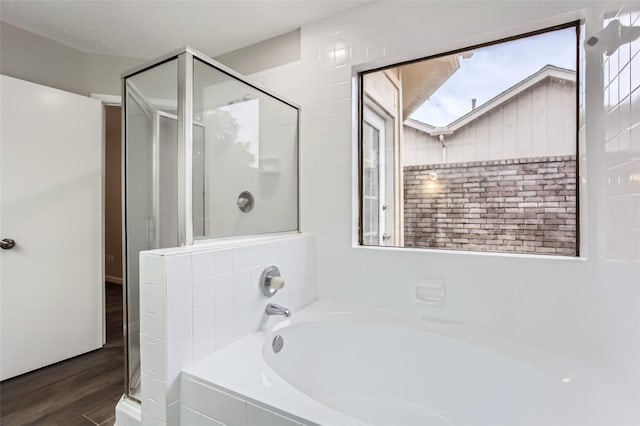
[(480, 151), (245, 141), (151, 135)]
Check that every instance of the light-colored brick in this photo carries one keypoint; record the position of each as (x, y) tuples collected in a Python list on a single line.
[(494, 206)]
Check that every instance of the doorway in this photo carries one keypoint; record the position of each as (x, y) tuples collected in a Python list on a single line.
[(113, 268), (112, 195)]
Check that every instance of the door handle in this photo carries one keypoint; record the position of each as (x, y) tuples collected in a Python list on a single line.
[(7, 243), (386, 237)]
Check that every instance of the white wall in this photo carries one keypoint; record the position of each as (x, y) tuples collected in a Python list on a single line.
[(266, 54), (538, 122), (587, 308), (30, 57), (34, 58)]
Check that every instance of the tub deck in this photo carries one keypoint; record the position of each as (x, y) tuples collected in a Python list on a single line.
[(342, 374)]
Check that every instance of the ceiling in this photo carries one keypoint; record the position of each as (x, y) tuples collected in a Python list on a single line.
[(147, 29)]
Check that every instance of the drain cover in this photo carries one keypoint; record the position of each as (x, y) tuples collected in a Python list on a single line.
[(277, 344)]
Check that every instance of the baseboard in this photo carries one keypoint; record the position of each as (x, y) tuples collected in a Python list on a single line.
[(113, 280)]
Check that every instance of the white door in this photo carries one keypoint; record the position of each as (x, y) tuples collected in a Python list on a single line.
[(378, 202), (51, 290)]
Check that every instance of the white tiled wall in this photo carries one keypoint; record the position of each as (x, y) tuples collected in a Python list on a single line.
[(619, 273), (621, 116), (587, 308), (572, 307), (197, 300)]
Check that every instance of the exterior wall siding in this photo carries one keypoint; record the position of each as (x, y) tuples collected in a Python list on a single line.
[(538, 122), (525, 205)]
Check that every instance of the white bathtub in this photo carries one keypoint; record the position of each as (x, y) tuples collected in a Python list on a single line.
[(362, 368)]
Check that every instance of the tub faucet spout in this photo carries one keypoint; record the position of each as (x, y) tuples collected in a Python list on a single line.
[(273, 309)]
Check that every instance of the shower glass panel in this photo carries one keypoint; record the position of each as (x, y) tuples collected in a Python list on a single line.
[(250, 141), (151, 221), (197, 135)]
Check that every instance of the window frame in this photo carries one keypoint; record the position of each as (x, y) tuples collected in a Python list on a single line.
[(361, 105)]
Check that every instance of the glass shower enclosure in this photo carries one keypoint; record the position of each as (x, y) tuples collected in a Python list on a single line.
[(207, 154)]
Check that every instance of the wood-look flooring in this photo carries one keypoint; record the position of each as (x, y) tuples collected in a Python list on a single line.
[(81, 391)]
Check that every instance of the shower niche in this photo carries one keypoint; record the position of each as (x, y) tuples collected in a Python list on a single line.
[(196, 135)]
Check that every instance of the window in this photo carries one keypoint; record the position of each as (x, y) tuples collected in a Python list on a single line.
[(474, 149)]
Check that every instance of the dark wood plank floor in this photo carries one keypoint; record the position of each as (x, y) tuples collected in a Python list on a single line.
[(80, 391)]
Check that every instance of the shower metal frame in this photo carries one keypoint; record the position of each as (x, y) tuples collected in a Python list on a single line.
[(185, 57)]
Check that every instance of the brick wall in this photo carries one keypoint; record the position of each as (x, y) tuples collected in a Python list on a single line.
[(523, 205)]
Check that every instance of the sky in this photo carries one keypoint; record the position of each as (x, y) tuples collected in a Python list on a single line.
[(493, 69)]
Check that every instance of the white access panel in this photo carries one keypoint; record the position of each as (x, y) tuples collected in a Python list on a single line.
[(51, 282)]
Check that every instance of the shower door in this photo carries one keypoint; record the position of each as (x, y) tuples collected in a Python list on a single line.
[(151, 188), (198, 138)]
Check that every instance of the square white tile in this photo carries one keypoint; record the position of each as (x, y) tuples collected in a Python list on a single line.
[(179, 355), (173, 387), (153, 325), (153, 357), (203, 292), (258, 416), (224, 319), (204, 320), (179, 298), (193, 418), (202, 264), (178, 269), (223, 261), (152, 269), (263, 254), (154, 389), (241, 285), (215, 404), (241, 258), (223, 286), (203, 345), (179, 327)]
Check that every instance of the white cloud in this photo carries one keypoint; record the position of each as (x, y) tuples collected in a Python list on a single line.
[(493, 69)]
